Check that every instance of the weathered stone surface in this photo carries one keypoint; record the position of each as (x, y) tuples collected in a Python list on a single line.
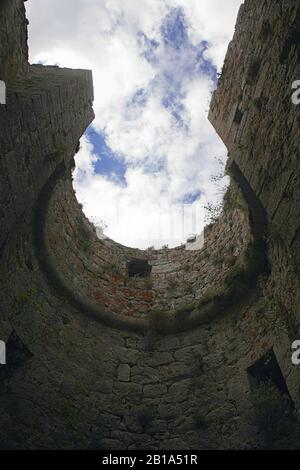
[(154, 391), (94, 383), (104, 282), (123, 373), (265, 143)]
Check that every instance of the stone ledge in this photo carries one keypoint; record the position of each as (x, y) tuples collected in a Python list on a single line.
[(203, 312)]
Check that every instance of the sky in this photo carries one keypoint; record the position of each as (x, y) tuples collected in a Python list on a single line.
[(145, 164)]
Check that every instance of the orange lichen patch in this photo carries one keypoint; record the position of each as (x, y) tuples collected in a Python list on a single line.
[(147, 296), (100, 298), (130, 292), (138, 309), (253, 356), (117, 279)]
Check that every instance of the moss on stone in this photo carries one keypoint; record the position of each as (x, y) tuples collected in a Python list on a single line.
[(29, 299)]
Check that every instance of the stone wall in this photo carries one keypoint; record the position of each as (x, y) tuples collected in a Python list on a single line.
[(45, 115), (13, 40), (97, 269), (91, 386), (253, 113), (81, 375)]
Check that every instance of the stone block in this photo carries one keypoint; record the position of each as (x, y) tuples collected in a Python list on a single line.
[(123, 373)]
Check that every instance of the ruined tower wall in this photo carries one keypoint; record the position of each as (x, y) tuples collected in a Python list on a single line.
[(13, 40), (46, 113), (253, 113), (74, 380), (97, 269)]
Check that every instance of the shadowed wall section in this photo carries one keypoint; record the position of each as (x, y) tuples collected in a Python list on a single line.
[(256, 84), (106, 360)]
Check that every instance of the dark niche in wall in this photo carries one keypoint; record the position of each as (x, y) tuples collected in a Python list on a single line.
[(17, 354), (273, 413), (238, 117), (267, 369), (138, 268)]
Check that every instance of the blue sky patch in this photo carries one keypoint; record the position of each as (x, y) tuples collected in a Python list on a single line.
[(174, 29), (189, 198), (175, 63), (108, 163), (147, 46)]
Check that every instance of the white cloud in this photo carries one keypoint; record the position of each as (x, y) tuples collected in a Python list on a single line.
[(103, 35), (212, 20), (143, 213)]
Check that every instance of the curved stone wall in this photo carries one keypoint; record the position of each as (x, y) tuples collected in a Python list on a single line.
[(97, 269), (87, 385), (252, 109), (86, 368)]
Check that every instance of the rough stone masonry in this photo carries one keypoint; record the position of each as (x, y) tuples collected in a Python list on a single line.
[(109, 347)]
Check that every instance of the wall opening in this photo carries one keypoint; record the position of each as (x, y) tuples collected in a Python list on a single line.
[(267, 370), (238, 117), (138, 268), (17, 354), (274, 413)]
